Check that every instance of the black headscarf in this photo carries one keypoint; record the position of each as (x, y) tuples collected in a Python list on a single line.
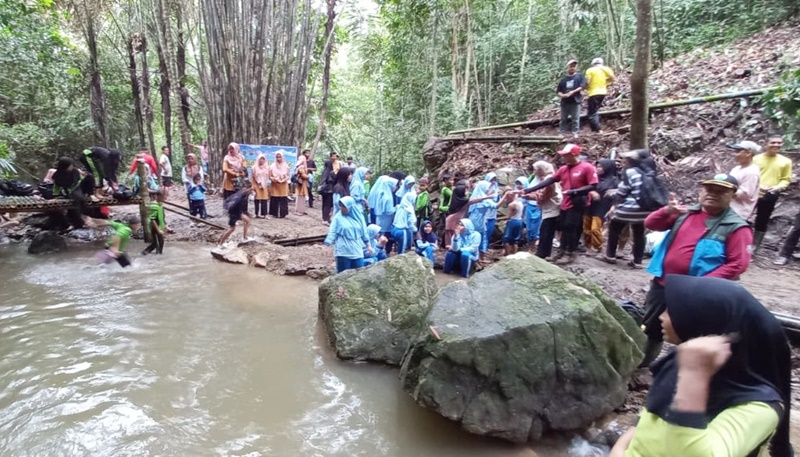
[(460, 198), (398, 175), (759, 368), (608, 180), (342, 186), (64, 178), (327, 180)]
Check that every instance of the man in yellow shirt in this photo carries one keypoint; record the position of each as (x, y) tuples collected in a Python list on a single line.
[(598, 77), (776, 175)]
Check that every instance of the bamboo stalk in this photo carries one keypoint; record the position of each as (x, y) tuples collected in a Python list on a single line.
[(656, 106), (194, 218), (177, 206)]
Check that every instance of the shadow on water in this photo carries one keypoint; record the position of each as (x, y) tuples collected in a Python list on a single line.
[(180, 355)]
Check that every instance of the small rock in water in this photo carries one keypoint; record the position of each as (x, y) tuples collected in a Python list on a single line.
[(47, 242), (579, 447), (232, 255)]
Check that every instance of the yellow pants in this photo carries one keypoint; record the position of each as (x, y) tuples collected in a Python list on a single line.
[(593, 232)]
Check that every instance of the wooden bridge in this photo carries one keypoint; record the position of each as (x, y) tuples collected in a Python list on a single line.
[(38, 205)]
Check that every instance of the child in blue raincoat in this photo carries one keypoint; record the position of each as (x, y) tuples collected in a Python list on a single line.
[(377, 242), (491, 214), (463, 251), (477, 211), (348, 235), (425, 244), (405, 222), (381, 203)]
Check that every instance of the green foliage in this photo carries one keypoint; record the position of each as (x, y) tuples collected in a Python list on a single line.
[(6, 161), (783, 105)]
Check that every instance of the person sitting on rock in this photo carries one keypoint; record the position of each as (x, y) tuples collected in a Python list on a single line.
[(377, 242), (464, 248), (425, 244), (726, 388), (348, 235), (709, 239), (236, 206), (405, 222)]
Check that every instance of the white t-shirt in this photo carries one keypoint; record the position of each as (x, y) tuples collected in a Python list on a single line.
[(744, 202), (165, 165), (517, 205)]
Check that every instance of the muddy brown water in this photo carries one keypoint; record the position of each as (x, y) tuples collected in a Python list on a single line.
[(183, 356)]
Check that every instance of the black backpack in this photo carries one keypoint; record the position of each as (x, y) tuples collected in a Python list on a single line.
[(653, 193)]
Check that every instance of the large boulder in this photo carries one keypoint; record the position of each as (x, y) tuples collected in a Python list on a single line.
[(373, 313), (520, 348), (507, 176), (231, 255), (47, 242)]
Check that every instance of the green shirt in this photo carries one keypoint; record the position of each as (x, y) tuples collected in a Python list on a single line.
[(423, 206), (737, 430), (122, 231), (157, 215), (447, 198)]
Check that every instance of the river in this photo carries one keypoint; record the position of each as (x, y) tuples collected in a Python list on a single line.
[(183, 356)]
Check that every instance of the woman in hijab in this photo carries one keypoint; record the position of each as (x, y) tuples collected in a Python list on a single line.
[(342, 187), (491, 214), (464, 249), (68, 183), (458, 208), (381, 203), (477, 212), (279, 187), (405, 187), (726, 388), (627, 210), (191, 169), (325, 189), (405, 222), (549, 201), (602, 200), (358, 191), (260, 181), (348, 235), (377, 242), (425, 244), (301, 192), (232, 170)]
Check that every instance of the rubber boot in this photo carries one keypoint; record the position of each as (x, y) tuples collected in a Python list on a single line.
[(758, 237)]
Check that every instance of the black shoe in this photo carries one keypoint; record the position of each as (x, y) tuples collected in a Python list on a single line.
[(145, 252), (651, 352)]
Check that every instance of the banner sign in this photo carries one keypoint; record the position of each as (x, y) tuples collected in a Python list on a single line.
[(251, 152)]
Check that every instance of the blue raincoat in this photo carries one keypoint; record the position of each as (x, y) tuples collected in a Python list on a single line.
[(373, 230), (491, 214), (532, 214), (348, 233), (381, 202), (425, 245), (407, 186), (464, 249), (405, 222), (477, 211)]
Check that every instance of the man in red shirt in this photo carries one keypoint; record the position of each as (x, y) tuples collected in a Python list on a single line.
[(705, 240), (577, 179), (148, 160)]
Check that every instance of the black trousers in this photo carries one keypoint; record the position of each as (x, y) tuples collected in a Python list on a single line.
[(157, 244), (261, 207), (327, 206), (791, 241), (310, 196), (546, 234), (198, 207), (279, 206), (79, 196), (227, 193), (595, 102), (764, 208), (571, 224), (95, 166), (615, 228), (654, 305)]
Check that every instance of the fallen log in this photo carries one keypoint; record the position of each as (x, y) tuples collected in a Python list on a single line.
[(177, 206), (613, 112), (196, 219), (299, 241)]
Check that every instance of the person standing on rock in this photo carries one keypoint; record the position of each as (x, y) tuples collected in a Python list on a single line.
[(598, 78), (709, 239), (279, 187), (749, 176), (577, 178), (463, 250), (569, 91), (348, 235), (776, 175), (726, 388)]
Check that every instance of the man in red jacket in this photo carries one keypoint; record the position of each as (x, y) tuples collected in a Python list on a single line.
[(148, 159)]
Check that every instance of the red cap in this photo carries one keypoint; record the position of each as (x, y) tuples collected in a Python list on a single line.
[(570, 148)]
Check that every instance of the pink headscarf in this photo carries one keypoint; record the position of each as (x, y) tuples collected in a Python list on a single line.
[(301, 162), (261, 172), (235, 160), (280, 169)]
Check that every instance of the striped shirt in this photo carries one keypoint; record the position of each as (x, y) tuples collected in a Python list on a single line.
[(628, 192)]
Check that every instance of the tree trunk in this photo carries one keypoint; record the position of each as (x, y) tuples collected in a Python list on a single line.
[(140, 46), (137, 97), (641, 67), (164, 88), (98, 102), (181, 62), (434, 76), (326, 74)]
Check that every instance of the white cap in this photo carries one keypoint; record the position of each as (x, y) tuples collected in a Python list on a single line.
[(597, 61)]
